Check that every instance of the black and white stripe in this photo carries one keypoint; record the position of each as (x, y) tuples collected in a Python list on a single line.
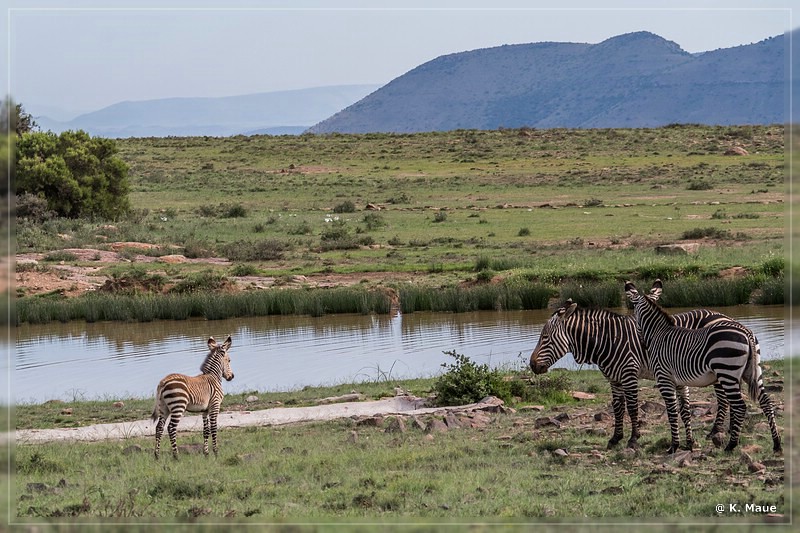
[(178, 393), (724, 351), (612, 342)]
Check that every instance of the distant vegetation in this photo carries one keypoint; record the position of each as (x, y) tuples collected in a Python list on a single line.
[(474, 218)]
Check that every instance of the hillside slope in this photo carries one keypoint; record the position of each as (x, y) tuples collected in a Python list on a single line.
[(632, 80)]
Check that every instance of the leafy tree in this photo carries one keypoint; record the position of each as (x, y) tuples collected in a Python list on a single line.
[(78, 175)]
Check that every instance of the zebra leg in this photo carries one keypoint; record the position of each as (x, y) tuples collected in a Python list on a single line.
[(618, 405), (722, 410), (213, 423), (667, 390), (632, 402), (766, 406), (206, 432), (159, 432), (172, 429), (686, 414), (738, 409)]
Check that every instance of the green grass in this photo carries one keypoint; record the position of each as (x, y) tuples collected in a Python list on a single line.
[(599, 197), (505, 471)]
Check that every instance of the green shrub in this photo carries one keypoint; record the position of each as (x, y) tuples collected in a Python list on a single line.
[(374, 221), (440, 216), (262, 250), (523, 232), (345, 207), (465, 382), (207, 280), (699, 185), (60, 255), (701, 233)]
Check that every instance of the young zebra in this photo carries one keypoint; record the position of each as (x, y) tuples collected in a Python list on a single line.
[(177, 393), (724, 351), (612, 342)]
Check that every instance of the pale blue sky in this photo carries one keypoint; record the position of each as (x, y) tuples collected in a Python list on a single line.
[(84, 58)]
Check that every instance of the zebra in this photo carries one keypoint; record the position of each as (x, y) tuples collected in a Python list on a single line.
[(724, 351), (612, 342), (177, 393)]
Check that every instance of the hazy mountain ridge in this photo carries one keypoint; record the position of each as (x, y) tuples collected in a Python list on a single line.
[(276, 113), (632, 80)]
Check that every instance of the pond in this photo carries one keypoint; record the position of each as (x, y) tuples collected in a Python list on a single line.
[(113, 360)]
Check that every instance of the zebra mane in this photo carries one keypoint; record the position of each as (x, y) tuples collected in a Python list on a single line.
[(657, 309), (211, 364)]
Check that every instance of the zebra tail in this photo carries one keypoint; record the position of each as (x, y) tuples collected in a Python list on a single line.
[(752, 370)]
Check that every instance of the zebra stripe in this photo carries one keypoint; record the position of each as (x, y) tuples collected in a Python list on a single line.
[(724, 351), (178, 393), (612, 342)]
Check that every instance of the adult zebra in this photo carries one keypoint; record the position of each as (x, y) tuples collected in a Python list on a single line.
[(722, 352), (612, 342), (178, 393)]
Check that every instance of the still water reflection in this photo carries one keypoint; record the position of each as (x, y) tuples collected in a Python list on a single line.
[(111, 360)]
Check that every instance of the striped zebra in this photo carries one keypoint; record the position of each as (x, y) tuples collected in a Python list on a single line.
[(178, 393), (723, 351), (612, 342)]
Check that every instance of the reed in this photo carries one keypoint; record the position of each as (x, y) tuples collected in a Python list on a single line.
[(710, 292), (512, 295), (593, 294), (208, 305)]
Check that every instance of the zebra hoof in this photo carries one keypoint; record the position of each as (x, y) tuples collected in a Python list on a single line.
[(776, 448), (613, 442), (672, 449), (731, 446)]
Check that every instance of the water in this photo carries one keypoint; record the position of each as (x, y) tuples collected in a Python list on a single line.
[(111, 360)]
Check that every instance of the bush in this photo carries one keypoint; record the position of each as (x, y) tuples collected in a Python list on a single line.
[(440, 216), (466, 382), (262, 250), (523, 232), (699, 185), (78, 175), (345, 207)]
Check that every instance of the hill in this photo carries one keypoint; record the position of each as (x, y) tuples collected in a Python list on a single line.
[(273, 113), (632, 80)]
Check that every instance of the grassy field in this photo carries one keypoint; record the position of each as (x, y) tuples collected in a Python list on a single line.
[(560, 201), (508, 468), (439, 210)]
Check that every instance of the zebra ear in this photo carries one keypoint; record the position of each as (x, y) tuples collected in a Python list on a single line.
[(227, 344), (655, 291), (569, 310), (212, 343), (630, 290)]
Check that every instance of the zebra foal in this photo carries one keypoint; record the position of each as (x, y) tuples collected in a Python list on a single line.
[(612, 342), (724, 352), (178, 393)]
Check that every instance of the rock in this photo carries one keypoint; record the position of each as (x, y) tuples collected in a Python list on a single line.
[(119, 405), (562, 417), (135, 448), (451, 421), (756, 467), (718, 439), (436, 425), (546, 422), (353, 437), (173, 259), (352, 397), (654, 408), (491, 404), (395, 424), (583, 395), (678, 249), (602, 416), (373, 421), (252, 398), (66, 411), (532, 408), (417, 423), (560, 452), (736, 150)]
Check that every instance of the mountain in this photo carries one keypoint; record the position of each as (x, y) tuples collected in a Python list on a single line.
[(274, 113), (633, 80)]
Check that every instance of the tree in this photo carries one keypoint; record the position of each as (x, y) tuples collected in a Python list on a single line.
[(78, 175), (14, 118)]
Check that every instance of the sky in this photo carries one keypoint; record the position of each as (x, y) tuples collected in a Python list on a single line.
[(69, 57)]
